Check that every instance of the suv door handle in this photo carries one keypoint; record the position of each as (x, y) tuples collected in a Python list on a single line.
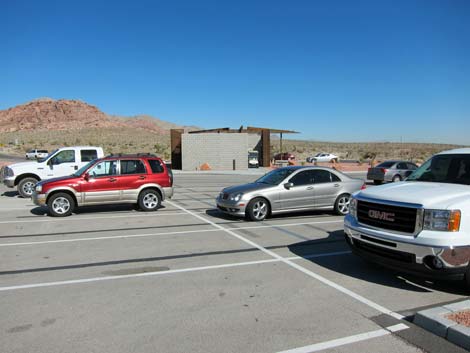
[(112, 180), (336, 185), (310, 188), (142, 177)]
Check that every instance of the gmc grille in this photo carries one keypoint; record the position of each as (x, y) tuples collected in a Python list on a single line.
[(395, 218)]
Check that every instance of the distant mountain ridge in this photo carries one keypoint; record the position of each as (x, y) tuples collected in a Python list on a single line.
[(66, 114)]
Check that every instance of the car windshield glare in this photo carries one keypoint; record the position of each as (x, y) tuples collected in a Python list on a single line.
[(453, 169), (276, 176), (84, 168)]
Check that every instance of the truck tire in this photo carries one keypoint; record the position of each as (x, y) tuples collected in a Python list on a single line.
[(61, 205), (26, 187)]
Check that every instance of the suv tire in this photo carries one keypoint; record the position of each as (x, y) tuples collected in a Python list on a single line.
[(26, 187), (61, 204), (149, 200)]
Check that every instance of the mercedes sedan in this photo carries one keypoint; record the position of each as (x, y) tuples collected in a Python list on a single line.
[(290, 189)]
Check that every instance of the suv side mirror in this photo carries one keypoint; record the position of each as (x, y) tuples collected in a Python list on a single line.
[(288, 185)]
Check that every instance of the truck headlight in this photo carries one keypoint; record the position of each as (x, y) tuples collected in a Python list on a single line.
[(353, 207), (443, 220), (38, 189), (236, 197), (8, 172)]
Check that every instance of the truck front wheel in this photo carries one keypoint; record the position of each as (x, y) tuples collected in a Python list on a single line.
[(26, 187)]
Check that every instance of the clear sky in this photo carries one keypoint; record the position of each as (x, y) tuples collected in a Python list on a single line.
[(348, 70)]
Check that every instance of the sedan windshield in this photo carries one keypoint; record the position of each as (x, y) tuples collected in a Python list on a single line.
[(84, 168), (276, 176), (385, 165), (444, 168)]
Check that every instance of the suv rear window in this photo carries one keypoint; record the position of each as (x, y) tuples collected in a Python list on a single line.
[(88, 155), (156, 166), (132, 166)]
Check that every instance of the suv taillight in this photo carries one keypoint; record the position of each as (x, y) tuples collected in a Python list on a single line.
[(170, 173)]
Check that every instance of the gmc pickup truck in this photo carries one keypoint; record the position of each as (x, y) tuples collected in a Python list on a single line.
[(61, 162), (421, 225)]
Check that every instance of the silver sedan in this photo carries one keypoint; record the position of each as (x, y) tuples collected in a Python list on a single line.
[(290, 189), (391, 171)]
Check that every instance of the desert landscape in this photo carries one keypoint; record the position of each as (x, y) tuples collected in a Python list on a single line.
[(48, 124)]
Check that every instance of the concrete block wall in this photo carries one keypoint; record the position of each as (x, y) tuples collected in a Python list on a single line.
[(218, 150)]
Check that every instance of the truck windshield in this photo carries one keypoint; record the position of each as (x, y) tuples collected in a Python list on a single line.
[(276, 176), (40, 160), (444, 168)]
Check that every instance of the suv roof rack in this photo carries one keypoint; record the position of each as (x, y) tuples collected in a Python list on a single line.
[(147, 154)]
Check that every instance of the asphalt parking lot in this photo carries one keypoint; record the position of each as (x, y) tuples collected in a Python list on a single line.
[(187, 278)]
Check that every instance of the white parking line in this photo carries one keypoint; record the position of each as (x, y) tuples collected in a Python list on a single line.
[(312, 274), (75, 218), (160, 273), (114, 237), (348, 340)]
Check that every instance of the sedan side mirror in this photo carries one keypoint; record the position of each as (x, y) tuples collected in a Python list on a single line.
[(86, 177), (288, 185)]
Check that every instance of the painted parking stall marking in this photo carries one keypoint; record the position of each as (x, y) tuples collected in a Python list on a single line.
[(312, 274)]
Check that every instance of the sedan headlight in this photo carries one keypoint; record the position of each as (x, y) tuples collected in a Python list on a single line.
[(236, 197), (353, 207), (443, 220), (38, 188)]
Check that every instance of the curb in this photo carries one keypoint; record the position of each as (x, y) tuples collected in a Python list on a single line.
[(434, 320)]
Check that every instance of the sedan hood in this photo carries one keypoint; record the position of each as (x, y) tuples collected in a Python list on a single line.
[(427, 194), (245, 188)]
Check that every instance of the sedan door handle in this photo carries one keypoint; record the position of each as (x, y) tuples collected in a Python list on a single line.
[(310, 188), (142, 177), (336, 185), (112, 180)]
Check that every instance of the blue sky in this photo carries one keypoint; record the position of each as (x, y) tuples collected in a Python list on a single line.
[(333, 70)]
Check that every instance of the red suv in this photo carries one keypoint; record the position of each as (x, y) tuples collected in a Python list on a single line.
[(141, 179)]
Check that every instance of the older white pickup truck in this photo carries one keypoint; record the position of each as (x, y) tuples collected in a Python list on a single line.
[(419, 226), (61, 162)]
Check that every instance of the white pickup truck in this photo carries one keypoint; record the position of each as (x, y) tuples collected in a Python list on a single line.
[(419, 226), (61, 162)]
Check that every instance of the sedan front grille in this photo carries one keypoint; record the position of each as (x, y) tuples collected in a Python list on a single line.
[(395, 218)]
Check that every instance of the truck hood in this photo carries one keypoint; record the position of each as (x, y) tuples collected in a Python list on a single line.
[(246, 188), (26, 165), (427, 194)]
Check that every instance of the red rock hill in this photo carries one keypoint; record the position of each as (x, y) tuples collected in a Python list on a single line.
[(64, 114)]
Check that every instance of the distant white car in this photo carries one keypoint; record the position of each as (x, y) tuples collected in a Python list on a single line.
[(322, 157), (36, 154)]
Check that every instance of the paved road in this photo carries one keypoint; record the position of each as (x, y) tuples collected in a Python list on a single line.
[(186, 278)]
